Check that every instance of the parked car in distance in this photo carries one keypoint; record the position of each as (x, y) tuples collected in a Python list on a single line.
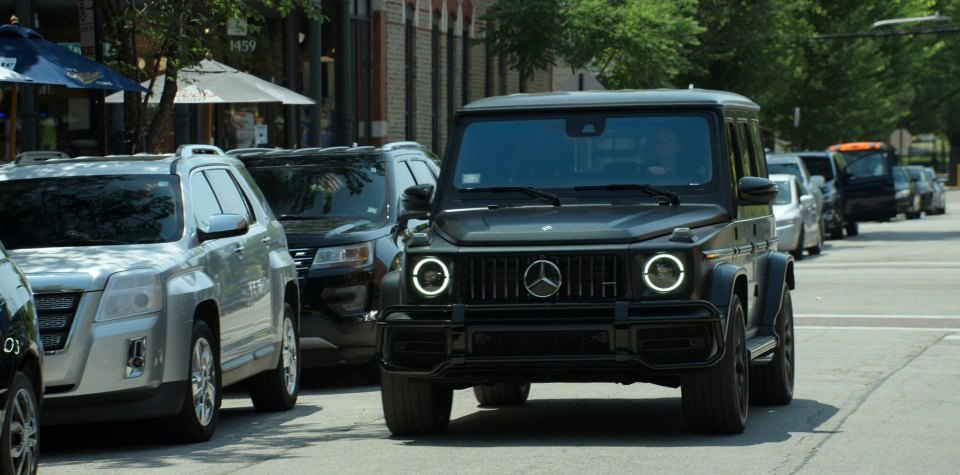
[(592, 236), (924, 186), (908, 193), (792, 164), (158, 281), (938, 205), (798, 217), (339, 207), (867, 179), (21, 381)]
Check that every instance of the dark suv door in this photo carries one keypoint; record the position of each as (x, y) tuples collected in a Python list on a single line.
[(868, 185)]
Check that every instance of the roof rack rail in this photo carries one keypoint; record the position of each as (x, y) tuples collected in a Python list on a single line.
[(39, 156), (338, 148), (403, 144), (361, 148), (200, 149), (237, 152)]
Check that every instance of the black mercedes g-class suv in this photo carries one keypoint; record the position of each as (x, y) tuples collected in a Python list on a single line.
[(603, 236)]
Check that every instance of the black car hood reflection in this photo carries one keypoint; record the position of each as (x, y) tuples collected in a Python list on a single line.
[(332, 231), (594, 224)]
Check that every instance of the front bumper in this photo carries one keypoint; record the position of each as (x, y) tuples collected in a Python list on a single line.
[(609, 342), (337, 318), (789, 237)]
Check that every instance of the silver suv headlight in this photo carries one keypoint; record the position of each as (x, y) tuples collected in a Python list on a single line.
[(430, 276), (354, 255), (663, 273), (131, 293)]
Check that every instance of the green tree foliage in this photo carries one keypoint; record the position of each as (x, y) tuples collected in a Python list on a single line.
[(156, 36)]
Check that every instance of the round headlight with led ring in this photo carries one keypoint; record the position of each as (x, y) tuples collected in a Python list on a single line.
[(663, 273), (431, 276)]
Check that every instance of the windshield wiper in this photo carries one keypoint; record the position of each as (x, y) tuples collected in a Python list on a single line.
[(671, 197), (522, 189)]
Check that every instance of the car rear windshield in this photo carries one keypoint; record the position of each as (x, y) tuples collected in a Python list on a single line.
[(817, 165), (90, 211), (318, 187), (567, 150)]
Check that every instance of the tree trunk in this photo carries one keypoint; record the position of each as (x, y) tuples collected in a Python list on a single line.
[(954, 136)]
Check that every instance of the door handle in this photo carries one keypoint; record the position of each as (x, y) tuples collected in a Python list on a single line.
[(238, 251), (267, 240)]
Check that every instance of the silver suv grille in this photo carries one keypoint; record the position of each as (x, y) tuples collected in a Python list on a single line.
[(303, 259), (55, 315), (583, 277)]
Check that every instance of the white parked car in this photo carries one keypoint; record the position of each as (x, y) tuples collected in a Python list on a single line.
[(798, 217)]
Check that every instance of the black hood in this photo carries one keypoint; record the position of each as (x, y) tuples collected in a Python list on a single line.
[(332, 231), (595, 224)]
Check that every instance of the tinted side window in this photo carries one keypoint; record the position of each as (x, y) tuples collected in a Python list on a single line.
[(874, 164), (422, 173), (733, 154), (757, 143), (231, 200), (205, 202), (749, 152)]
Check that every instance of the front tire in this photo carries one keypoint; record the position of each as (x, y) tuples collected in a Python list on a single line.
[(414, 407), (197, 420), (815, 250), (278, 389), (718, 401), (798, 251), (773, 383), (20, 437), (502, 394)]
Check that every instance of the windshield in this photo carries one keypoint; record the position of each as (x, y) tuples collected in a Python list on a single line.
[(819, 166), (568, 151), (788, 168), (311, 187), (784, 193), (90, 211)]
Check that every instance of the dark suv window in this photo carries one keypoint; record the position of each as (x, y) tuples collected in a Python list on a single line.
[(90, 211), (819, 166), (350, 187)]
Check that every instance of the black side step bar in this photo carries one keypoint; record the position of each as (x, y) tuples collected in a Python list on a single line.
[(761, 349)]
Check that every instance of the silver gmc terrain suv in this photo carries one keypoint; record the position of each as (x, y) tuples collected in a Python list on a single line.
[(158, 280)]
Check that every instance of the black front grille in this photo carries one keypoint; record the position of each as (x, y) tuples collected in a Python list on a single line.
[(583, 277), (673, 345), (541, 343), (304, 259), (421, 349), (55, 315)]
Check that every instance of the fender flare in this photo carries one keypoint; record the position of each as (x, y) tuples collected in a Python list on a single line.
[(723, 284), (779, 276), (391, 291)]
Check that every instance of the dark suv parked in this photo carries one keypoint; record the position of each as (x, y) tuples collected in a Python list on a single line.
[(856, 188), (21, 376), (603, 236), (339, 208)]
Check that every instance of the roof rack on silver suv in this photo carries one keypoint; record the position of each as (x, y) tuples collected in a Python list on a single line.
[(184, 151), (39, 156)]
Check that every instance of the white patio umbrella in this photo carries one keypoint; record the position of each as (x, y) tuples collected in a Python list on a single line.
[(212, 82)]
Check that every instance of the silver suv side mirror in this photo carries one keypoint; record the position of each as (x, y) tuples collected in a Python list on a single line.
[(224, 225)]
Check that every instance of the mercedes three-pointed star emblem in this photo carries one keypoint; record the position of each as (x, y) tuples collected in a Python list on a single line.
[(542, 278)]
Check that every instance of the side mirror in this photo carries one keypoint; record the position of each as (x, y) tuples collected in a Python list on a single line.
[(416, 202), (807, 199), (756, 191), (817, 181), (224, 225)]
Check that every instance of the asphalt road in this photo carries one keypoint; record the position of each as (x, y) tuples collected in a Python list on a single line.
[(877, 391)]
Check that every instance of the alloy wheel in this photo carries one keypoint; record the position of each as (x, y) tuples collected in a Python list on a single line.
[(290, 362), (203, 381), (23, 432)]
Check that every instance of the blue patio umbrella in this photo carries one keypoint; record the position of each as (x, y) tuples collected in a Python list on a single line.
[(26, 52)]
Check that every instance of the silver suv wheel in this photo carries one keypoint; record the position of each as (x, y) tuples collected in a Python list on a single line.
[(290, 361), (203, 381)]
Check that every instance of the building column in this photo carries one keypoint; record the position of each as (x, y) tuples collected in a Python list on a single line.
[(345, 102), (378, 94), (316, 81), (28, 135)]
